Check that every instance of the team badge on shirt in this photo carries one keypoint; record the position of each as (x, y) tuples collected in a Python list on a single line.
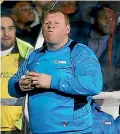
[(60, 62)]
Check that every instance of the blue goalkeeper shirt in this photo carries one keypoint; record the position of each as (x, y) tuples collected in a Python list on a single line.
[(76, 75)]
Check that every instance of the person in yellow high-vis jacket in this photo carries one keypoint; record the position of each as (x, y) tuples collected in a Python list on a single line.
[(13, 52)]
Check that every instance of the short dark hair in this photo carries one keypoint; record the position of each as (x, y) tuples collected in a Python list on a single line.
[(10, 4), (7, 14), (56, 11), (95, 10)]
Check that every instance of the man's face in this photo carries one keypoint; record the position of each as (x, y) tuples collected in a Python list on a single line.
[(55, 29), (104, 22), (8, 32), (24, 12)]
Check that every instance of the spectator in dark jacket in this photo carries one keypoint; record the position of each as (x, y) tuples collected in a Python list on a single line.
[(100, 37), (23, 15)]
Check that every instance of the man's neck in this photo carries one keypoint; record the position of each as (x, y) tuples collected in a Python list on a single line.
[(5, 52), (98, 35), (55, 46)]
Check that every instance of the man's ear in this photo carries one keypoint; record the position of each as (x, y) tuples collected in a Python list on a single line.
[(14, 17), (68, 29), (92, 20)]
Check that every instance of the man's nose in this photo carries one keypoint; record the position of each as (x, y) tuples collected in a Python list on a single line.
[(51, 25), (109, 19), (30, 10), (6, 32)]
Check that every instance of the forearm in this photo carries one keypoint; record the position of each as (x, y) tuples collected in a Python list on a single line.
[(13, 88), (86, 80), (84, 85)]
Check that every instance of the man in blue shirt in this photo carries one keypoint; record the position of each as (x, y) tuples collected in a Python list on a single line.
[(104, 121), (117, 123), (59, 82)]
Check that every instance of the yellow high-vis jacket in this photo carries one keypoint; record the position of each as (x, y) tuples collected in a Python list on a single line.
[(11, 108)]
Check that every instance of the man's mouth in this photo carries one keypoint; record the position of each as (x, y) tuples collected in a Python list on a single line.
[(107, 26), (6, 39), (50, 31), (31, 15)]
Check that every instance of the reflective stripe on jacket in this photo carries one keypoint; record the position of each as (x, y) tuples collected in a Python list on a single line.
[(12, 102)]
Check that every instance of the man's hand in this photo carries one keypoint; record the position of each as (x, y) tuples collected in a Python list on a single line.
[(25, 84), (39, 80)]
